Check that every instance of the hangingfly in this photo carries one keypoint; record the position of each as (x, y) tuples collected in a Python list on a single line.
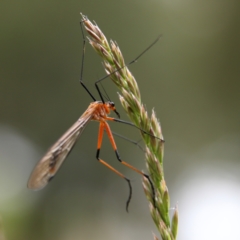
[(53, 159), (97, 111)]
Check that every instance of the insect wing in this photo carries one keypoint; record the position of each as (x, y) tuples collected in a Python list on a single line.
[(53, 159)]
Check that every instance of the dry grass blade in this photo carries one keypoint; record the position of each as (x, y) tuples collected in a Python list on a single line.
[(130, 99)]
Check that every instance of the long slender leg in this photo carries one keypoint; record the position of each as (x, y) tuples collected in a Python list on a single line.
[(100, 137), (83, 57), (110, 136), (126, 65), (129, 140), (131, 124), (121, 67)]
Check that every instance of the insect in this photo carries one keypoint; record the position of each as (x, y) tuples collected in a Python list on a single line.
[(48, 166)]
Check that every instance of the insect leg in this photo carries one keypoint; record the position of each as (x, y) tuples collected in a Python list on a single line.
[(131, 124), (100, 137), (83, 56), (110, 136), (126, 65)]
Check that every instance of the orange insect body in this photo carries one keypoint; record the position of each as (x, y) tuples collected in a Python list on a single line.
[(99, 110)]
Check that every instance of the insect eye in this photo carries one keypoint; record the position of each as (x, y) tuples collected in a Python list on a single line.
[(112, 104)]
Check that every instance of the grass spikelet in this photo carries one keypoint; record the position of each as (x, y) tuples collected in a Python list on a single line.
[(130, 99)]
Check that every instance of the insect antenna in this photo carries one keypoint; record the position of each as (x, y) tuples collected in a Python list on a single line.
[(108, 98), (106, 95)]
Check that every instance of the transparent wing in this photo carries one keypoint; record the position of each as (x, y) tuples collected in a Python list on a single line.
[(53, 159)]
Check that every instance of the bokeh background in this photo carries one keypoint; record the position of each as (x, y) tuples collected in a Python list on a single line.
[(191, 78)]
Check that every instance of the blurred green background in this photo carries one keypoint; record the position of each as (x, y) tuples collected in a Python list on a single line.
[(191, 78)]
